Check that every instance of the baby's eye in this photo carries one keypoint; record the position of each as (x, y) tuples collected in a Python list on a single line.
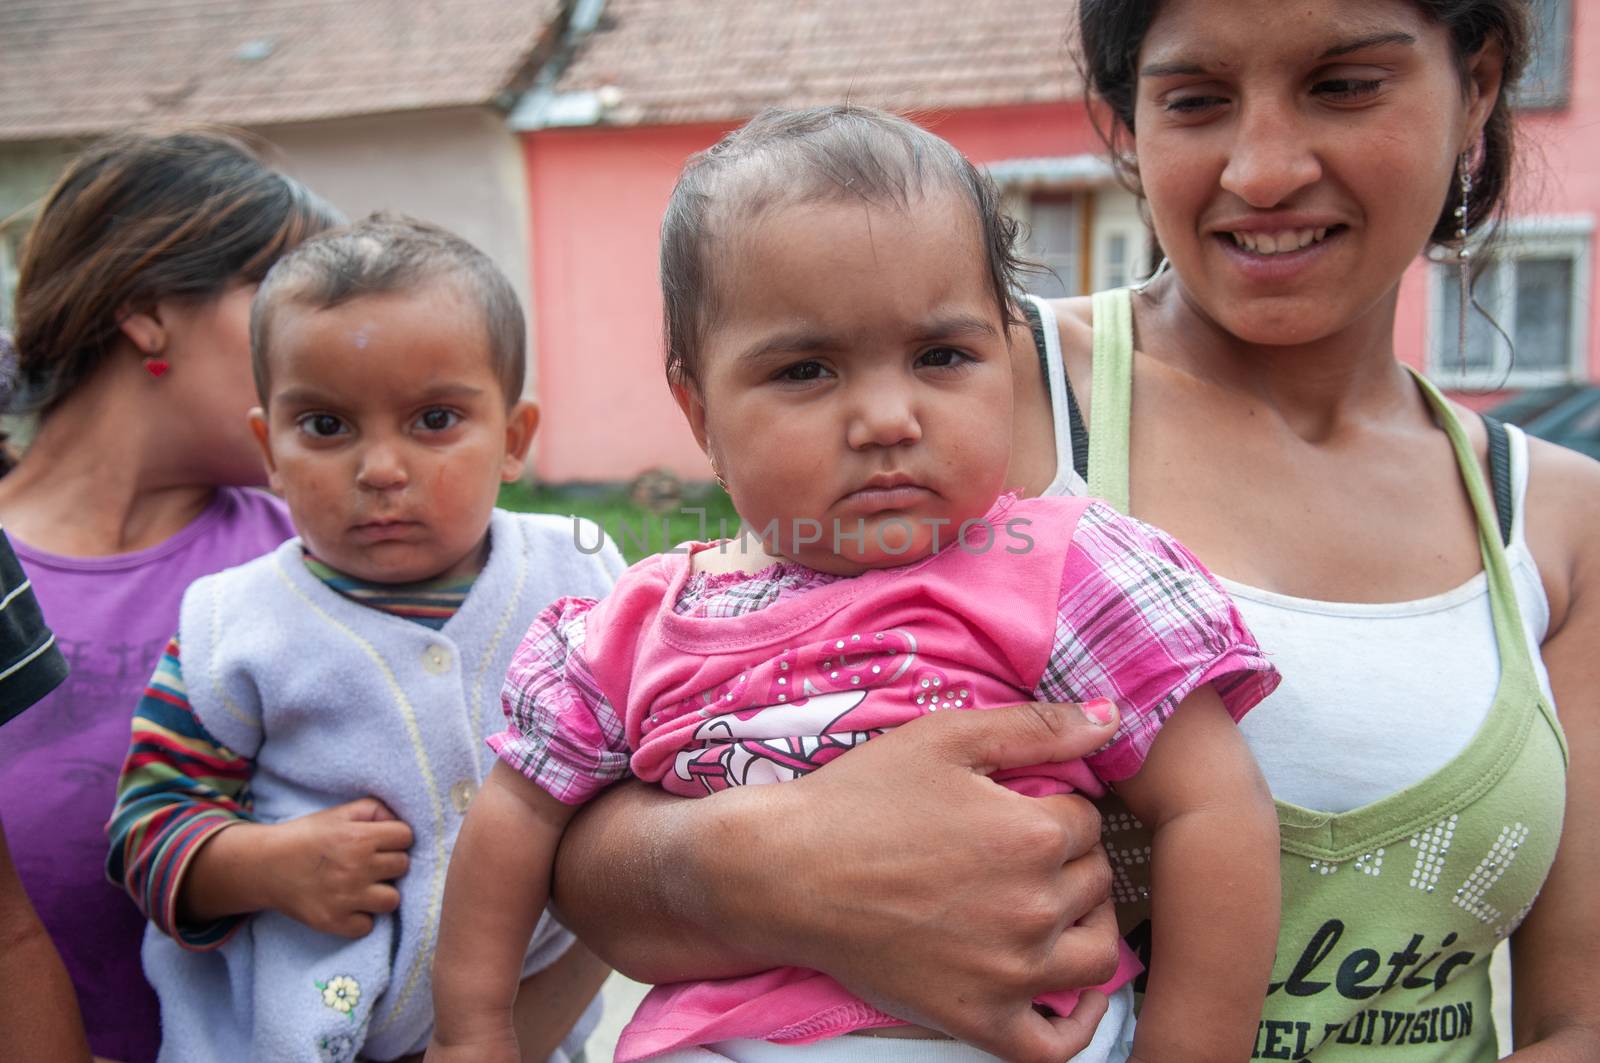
[(439, 419), (802, 373), (943, 358), (321, 425)]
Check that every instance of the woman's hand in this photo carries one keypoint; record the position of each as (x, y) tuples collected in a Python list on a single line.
[(331, 870), (900, 869)]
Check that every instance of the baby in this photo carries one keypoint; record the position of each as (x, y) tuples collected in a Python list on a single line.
[(838, 288), (333, 696)]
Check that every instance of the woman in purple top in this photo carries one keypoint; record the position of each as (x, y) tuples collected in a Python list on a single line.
[(133, 349)]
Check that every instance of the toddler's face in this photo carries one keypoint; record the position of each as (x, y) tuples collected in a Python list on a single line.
[(388, 433), (856, 375)]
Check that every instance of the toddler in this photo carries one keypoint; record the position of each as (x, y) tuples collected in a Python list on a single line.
[(838, 305), (333, 696)]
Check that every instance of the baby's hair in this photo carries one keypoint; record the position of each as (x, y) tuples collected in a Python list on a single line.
[(387, 253), (786, 156)]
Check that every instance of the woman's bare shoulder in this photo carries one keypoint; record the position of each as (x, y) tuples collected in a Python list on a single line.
[(1563, 509), (1075, 320)]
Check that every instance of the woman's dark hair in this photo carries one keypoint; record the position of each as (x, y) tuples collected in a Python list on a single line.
[(138, 217), (794, 156), (1111, 33)]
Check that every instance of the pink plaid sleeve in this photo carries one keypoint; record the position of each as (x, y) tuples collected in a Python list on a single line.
[(561, 730), (1143, 623)]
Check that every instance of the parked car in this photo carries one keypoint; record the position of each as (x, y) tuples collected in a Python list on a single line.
[(1524, 406), (1573, 423)]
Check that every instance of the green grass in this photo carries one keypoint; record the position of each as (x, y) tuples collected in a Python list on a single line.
[(637, 531)]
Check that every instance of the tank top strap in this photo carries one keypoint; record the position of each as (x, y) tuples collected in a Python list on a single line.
[(1111, 404), (1516, 660)]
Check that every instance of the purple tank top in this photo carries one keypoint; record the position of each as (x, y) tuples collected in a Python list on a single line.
[(59, 762)]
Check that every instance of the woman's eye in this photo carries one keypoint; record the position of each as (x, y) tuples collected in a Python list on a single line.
[(943, 358), (802, 373), (321, 425), (1348, 88), (1193, 104), (439, 420)]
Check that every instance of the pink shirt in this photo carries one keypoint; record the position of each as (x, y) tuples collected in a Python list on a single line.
[(1097, 605)]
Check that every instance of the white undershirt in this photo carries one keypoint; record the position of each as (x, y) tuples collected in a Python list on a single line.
[(1375, 698)]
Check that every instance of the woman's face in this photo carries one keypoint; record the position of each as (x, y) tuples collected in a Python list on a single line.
[(208, 386), (1296, 157)]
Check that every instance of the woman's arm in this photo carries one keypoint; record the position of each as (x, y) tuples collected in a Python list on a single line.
[(904, 848), (38, 1011), (1556, 953), (1214, 867)]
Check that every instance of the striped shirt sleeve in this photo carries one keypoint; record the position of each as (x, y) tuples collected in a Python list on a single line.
[(31, 664), (179, 786), (1143, 623)]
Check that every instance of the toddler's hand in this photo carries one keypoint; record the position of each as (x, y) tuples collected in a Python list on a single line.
[(333, 870)]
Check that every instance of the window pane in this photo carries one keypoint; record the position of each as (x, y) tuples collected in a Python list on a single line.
[(1545, 81), (1053, 241), (1486, 348), (1544, 313), (1117, 272)]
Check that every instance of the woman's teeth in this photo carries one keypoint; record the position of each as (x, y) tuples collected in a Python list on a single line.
[(1280, 243)]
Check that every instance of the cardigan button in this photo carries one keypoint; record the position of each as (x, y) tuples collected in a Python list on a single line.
[(461, 795), (436, 659)]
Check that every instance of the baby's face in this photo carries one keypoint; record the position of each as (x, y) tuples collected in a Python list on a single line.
[(857, 376), (388, 432)]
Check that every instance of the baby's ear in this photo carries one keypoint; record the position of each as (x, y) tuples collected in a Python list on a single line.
[(522, 424), (258, 428), (694, 410)]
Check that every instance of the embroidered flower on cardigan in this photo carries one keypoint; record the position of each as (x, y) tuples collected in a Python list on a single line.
[(341, 993)]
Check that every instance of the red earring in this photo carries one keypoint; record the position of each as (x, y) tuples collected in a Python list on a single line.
[(156, 366)]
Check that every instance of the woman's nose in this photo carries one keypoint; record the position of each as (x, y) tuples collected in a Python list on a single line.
[(1272, 156)]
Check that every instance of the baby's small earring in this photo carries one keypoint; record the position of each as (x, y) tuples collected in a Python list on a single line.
[(156, 366)]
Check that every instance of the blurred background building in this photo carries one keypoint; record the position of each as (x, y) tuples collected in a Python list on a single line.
[(549, 132)]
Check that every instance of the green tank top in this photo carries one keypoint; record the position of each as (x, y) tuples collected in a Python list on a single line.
[(1390, 911)]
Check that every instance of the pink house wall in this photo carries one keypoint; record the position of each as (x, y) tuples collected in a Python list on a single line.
[(1559, 175), (596, 200), (597, 195)]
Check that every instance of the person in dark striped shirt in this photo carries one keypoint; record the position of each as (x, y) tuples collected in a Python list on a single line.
[(38, 1010)]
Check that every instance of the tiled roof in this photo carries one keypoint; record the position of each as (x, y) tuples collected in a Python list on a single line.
[(73, 67), (673, 61)]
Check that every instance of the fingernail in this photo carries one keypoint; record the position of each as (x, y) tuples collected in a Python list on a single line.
[(1100, 711)]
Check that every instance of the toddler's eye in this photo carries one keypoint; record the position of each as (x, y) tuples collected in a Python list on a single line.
[(943, 358), (438, 420), (802, 373), (321, 425)]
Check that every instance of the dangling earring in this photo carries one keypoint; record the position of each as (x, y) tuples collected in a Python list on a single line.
[(156, 366), (716, 474), (1138, 289), (1464, 256)]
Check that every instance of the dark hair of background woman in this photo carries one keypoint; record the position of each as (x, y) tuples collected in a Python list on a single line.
[(139, 217)]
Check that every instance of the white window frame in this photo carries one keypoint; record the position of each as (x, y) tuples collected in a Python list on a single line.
[(1568, 236), (1558, 93)]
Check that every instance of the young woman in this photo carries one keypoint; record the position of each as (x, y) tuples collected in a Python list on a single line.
[(132, 337), (1425, 584)]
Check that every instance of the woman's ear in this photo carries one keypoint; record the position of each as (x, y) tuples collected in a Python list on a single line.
[(1485, 82), (522, 423), (143, 328)]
